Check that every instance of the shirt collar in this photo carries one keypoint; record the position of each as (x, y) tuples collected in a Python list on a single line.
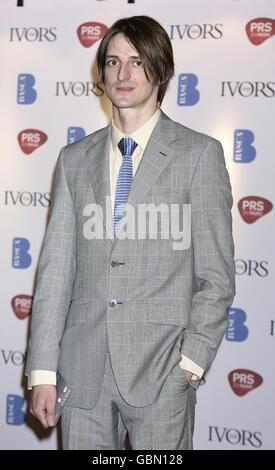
[(140, 135)]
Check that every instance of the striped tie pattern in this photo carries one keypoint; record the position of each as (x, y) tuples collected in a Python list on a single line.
[(125, 177)]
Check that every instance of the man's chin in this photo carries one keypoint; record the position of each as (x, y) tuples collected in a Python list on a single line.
[(122, 105)]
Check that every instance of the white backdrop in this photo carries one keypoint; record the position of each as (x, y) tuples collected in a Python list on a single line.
[(224, 86)]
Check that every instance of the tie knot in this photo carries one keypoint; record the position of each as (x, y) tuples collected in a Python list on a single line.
[(127, 146)]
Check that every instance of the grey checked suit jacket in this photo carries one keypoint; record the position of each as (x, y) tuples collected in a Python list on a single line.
[(169, 302)]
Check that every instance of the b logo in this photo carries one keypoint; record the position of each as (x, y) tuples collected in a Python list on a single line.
[(236, 329), (74, 134), (15, 414), (244, 152), (188, 95), (26, 94), (20, 257)]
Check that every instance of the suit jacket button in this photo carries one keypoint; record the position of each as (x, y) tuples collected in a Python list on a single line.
[(112, 303)]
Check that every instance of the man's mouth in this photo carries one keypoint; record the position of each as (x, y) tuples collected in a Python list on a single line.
[(124, 88)]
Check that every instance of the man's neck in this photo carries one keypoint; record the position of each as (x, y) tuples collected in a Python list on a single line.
[(129, 120)]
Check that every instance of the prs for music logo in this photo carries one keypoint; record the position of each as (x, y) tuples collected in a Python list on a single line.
[(242, 381), (22, 306), (253, 208), (259, 30), (30, 139), (90, 32)]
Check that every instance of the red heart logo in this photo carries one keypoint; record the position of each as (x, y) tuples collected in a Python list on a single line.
[(253, 207), (259, 30), (242, 381), (91, 32), (22, 306), (30, 139)]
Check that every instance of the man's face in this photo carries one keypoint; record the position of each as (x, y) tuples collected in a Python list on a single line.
[(125, 81)]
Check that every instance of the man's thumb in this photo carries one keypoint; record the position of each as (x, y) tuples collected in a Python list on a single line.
[(50, 417)]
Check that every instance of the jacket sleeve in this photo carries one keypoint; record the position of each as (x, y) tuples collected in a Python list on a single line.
[(55, 277), (213, 256)]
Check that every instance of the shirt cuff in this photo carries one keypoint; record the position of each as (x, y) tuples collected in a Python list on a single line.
[(41, 377), (191, 366)]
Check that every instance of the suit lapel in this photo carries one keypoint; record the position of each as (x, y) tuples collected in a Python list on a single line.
[(97, 158), (156, 157)]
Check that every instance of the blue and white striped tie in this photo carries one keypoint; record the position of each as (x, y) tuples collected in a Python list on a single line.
[(125, 177)]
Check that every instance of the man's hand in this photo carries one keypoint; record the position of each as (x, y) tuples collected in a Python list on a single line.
[(188, 375), (42, 404)]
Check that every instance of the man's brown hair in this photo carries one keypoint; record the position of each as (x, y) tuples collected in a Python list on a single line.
[(152, 43)]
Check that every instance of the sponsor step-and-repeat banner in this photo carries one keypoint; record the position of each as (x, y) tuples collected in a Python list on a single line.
[(224, 86)]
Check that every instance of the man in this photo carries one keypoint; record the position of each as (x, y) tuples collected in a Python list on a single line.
[(128, 315)]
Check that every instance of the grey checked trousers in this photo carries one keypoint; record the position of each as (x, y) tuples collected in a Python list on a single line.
[(167, 423)]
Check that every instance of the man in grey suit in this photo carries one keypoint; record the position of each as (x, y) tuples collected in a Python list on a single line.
[(136, 272)]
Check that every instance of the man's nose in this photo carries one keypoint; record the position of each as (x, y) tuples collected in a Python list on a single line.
[(124, 72)]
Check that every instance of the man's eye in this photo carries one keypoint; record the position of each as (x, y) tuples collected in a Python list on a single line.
[(112, 62), (138, 63)]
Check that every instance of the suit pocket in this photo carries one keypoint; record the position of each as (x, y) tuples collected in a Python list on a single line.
[(179, 376), (169, 314), (78, 313)]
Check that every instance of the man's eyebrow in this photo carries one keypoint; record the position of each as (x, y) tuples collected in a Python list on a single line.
[(113, 56)]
